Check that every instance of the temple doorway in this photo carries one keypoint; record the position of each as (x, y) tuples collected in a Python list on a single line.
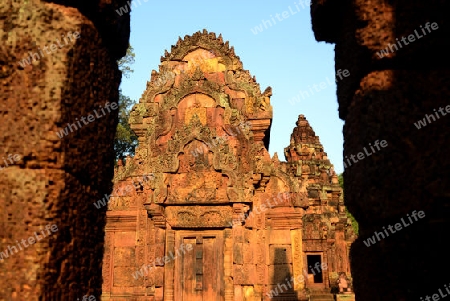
[(199, 272), (314, 262)]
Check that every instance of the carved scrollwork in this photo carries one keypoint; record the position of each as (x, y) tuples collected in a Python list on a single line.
[(156, 213)]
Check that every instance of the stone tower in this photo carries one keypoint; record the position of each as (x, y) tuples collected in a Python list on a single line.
[(202, 212)]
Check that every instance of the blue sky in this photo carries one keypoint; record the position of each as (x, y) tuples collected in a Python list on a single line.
[(284, 55)]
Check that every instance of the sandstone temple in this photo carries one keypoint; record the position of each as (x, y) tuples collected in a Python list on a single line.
[(210, 214)]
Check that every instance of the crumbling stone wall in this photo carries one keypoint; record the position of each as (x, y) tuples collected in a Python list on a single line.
[(56, 178), (383, 98)]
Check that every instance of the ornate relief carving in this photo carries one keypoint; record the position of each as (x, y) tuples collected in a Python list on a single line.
[(199, 216), (297, 255), (203, 128)]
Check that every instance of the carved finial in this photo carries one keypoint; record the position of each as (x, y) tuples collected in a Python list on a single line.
[(268, 91), (205, 31), (232, 50), (166, 53), (301, 117), (152, 75), (220, 38), (275, 157)]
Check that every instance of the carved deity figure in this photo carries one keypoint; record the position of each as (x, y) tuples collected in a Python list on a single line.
[(343, 283)]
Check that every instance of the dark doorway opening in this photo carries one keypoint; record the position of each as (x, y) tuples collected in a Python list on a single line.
[(315, 267)]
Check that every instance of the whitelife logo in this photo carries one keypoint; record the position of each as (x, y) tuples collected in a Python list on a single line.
[(166, 259), (31, 240), (371, 240), (35, 56), (284, 15), (361, 156), (423, 122), (127, 8), (319, 87), (284, 287), (16, 158), (121, 192), (88, 298), (437, 297), (90, 118), (411, 38)]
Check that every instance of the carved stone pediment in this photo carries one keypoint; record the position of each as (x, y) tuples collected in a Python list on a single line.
[(199, 216), (204, 128)]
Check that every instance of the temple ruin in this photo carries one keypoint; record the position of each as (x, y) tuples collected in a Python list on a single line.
[(202, 211)]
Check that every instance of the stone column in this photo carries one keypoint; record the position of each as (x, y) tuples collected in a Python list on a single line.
[(384, 98), (57, 68)]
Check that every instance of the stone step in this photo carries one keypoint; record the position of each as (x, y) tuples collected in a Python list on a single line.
[(322, 297), (345, 297)]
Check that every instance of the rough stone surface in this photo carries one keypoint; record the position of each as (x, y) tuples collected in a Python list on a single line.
[(201, 167), (381, 100), (56, 179)]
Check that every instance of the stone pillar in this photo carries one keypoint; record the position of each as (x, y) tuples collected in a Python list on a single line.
[(72, 74), (384, 98)]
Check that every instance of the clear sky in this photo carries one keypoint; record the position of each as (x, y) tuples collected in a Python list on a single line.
[(281, 54)]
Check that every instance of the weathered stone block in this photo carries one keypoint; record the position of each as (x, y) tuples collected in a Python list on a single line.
[(259, 254), (123, 256), (123, 277), (249, 251), (159, 276), (125, 239), (159, 253), (238, 253), (279, 237)]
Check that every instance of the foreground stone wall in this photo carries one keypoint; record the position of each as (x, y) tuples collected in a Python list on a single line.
[(381, 100), (50, 180)]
